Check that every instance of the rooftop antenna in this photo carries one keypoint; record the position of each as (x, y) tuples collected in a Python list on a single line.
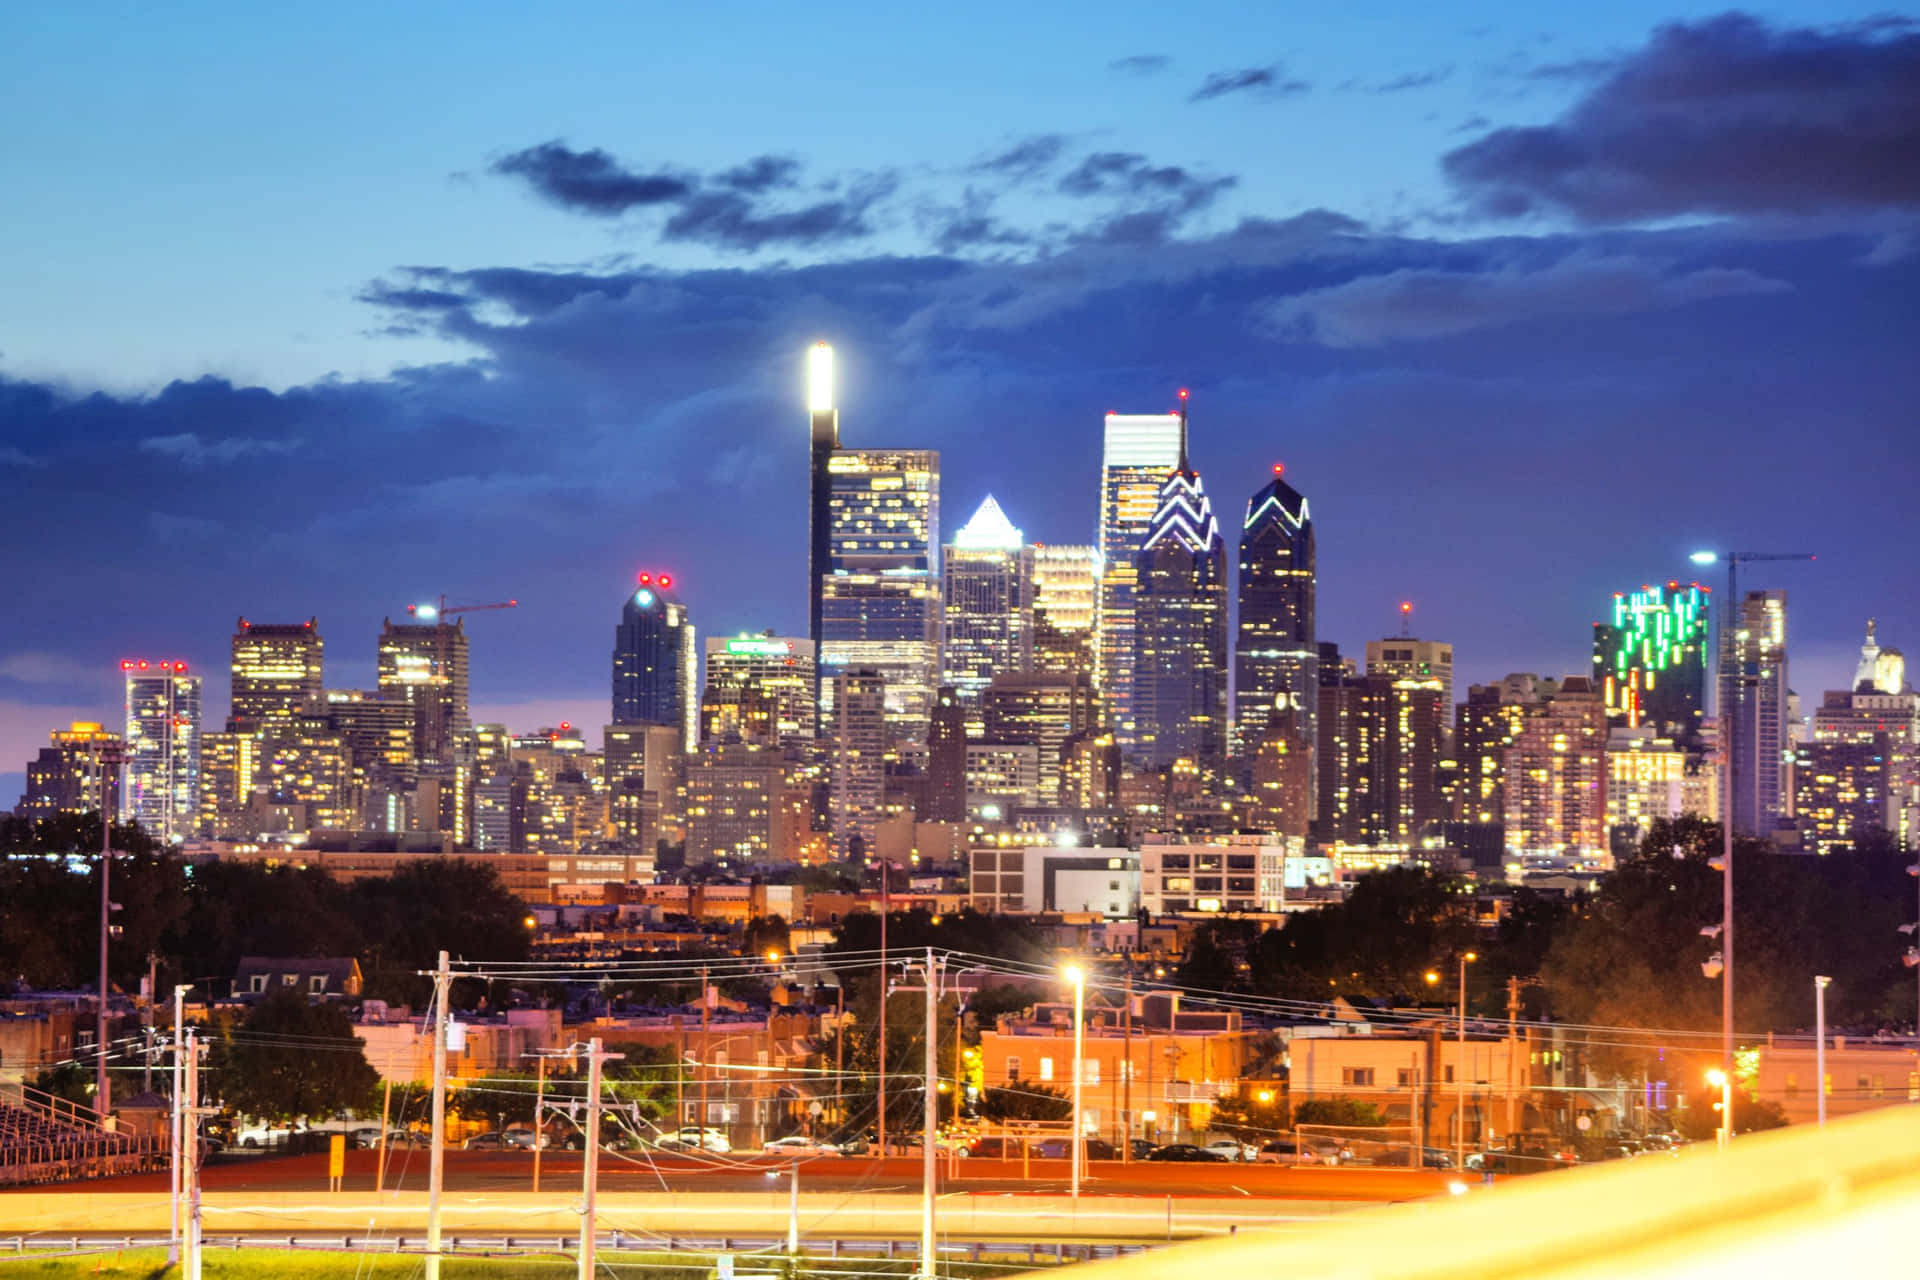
[(1183, 428), (1406, 619)]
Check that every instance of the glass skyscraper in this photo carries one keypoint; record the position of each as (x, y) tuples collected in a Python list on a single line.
[(987, 590), (162, 791), (1753, 709), (425, 666), (654, 660), (1276, 664), (1179, 678), (277, 673), (1650, 658), (1141, 451)]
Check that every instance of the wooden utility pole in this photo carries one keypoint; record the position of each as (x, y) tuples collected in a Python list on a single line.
[(380, 1155), (539, 1113), (1126, 1073), (590, 1175), (1513, 1048), (437, 1155), (706, 1024), (880, 1097), (190, 1239)]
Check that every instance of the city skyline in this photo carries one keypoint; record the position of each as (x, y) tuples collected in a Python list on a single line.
[(539, 405)]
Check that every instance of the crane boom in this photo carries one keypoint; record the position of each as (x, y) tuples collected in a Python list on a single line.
[(429, 613)]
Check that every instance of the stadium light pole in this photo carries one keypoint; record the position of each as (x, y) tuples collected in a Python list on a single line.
[(1078, 977)]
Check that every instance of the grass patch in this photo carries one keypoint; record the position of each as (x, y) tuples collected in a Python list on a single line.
[(283, 1264)]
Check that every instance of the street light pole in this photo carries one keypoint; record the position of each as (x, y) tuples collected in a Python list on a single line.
[(1820, 1044), (105, 758), (1078, 978), (1460, 1073)]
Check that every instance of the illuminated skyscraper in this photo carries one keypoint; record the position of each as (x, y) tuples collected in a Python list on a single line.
[(1485, 725), (987, 598), (1179, 679), (859, 760), (1407, 658), (65, 776), (1066, 603), (1141, 451), (1650, 659), (946, 794), (163, 749), (277, 673), (1276, 664), (425, 666), (1043, 709), (1753, 709), (880, 601), (1379, 744), (655, 663), (1556, 775), (772, 674)]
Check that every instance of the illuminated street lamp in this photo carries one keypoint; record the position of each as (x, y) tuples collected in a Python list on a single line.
[(1077, 976), (1723, 1081), (1460, 1072)]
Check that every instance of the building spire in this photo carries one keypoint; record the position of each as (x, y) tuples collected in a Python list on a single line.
[(1868, 672)]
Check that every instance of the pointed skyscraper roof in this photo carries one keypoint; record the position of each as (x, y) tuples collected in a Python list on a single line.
[(1184, 512), (989, 530)]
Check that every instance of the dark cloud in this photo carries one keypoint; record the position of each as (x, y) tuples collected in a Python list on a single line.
[(590, 182), (762, 173), (971, 225), (191, 451), (1025, 159), (1727, 116), (1128, 175), (1414, 80), (381, 294), (731, 220), (1267, 81), (1411, 305), (1141, 64), (1573, 69)]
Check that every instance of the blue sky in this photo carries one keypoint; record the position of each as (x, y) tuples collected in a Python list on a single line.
[(336, 309)]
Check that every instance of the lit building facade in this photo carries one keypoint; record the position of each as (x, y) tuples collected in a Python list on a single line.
[(229, 766), (1646, 782), (1044, 709), (425, 666), (308, 780), (1140, 451), (1406, 658), (278, 671), (1276, 658), (1753, 710), (645, 771), (1650, 659), (1380, 741), (1066, 586), (860, 739), (655, 662), (1841, 792), (1880, 713), (987, 601), (1180, 637), (163, 749), (768, 671), (65, 777), (1035, 878), (1485, 725), (739, 805), (1556, 776), (1235, 873), (880, 600), (945, 798), (1001, 777)]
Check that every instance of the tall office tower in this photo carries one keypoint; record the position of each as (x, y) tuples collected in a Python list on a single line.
[(1842, 792), (823, 441), (645, 769), (987, 590), (1646, 782), (1485, 725), (1881, 711), (1556, 775), (1405, 658), (859, 759), (307, 774), (379, 735), (1179, 674), (163, 749), (1280, 791), (1377, 755), (492, 764), (1276, 663), (1753, 710), (1043, 709), (880, 602), (558, 798), (230, 766), (776, 672), (946, 793), (277, 673), (1066, 601), (655, 663), (739, 807), (1650, 659), (1141, 451), (425, 666), (65, 776)]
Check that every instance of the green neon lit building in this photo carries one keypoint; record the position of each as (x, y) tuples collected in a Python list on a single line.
[(1649, 659)]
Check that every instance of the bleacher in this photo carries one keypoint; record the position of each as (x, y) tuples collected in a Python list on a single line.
[(46, 1139)]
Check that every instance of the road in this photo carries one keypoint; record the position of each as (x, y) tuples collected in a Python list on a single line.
[(496, 1171)]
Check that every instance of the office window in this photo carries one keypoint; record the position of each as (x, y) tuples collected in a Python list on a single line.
[(1449, 1075), (1046, 1070), (1404, 1077), (1357, 1076), (1013, 1068)]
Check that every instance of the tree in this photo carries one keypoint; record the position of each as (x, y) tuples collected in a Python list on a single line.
[(1338, 1111), (1248, 1115), (1396, 924), (69, 1080), (1024, 1101), (291, 1060), (1750, 1115)]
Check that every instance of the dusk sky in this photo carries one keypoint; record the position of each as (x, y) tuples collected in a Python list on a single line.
[(319, 311)]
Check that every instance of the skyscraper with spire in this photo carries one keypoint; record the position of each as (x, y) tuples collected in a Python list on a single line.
[(1179, 677), (824, 437), (1141, 450), (1276, 664)]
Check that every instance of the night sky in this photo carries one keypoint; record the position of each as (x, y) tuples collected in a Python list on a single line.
[(316, 312)]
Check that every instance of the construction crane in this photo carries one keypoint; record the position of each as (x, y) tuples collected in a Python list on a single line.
[(434, 612)]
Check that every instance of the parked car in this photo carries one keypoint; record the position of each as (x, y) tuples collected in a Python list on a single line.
[(1285, 1151), (1139, 1147), (798, 1144), (252, 1134), (485, 1142), (364, 1138), (523, 1139), (996, 1148), (694, 1138), (1061, 1149), (1232, 1149), (408, 1138), (1186, 1153), (942, 1144)]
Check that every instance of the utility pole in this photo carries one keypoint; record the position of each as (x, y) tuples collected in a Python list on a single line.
[(380, 1156), (1513, 1047), (437, 1156), (880, 1098), (153, 994), (1819, 1044), (839, 1051), (104, 759), (930, 1122), (1126, 1073), (591, 1173), (706, 1011), (179, 1127), (190, 1268), (539, 1114)]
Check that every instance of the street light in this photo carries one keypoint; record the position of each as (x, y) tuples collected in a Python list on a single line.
[(1723, 1081), (1460, 1072), (793, 1207), (1078, 978), (1734, 560), (1820, 1043)]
